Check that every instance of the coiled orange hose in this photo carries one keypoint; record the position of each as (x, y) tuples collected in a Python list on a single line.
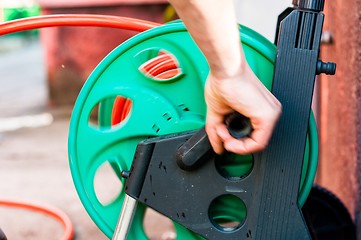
[(55, 213), (89, 20)]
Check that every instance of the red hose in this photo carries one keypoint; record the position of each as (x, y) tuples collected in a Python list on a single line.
[(89, 20), (55, 213)]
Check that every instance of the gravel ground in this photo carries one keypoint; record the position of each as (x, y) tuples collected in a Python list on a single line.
[(34, 167)]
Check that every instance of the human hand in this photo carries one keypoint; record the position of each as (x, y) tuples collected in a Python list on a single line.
[(244, 93)]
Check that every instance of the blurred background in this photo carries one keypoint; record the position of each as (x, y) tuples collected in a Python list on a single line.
[(42, 72)]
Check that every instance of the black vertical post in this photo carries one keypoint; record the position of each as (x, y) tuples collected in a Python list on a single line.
[(298, 48)]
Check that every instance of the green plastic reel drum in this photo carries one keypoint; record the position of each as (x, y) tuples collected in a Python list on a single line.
[(158, 106)]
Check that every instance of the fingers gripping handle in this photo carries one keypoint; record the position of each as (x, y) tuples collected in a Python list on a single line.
[(192, 154)]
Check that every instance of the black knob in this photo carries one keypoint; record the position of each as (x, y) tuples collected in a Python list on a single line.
[(328, 68), (238, 125), (197, 150), (313, 5)]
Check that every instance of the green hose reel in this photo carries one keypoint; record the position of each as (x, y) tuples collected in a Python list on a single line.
[(153, 101)]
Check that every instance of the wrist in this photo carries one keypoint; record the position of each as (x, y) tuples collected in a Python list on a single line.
[(230, 67)]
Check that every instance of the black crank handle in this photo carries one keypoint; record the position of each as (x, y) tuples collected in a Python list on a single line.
[(238, 125), (193, 153)]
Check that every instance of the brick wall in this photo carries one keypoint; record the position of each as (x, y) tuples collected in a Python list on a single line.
[(340, 106)]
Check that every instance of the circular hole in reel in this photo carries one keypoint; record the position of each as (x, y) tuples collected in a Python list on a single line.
[(107, 185), (234, 167), (157, 226), (94, 117), (227, 213), (118, 107), (158, 64)]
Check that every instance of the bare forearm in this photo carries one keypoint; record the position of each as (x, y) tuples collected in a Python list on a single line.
[(212, 24), (231, 85)]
